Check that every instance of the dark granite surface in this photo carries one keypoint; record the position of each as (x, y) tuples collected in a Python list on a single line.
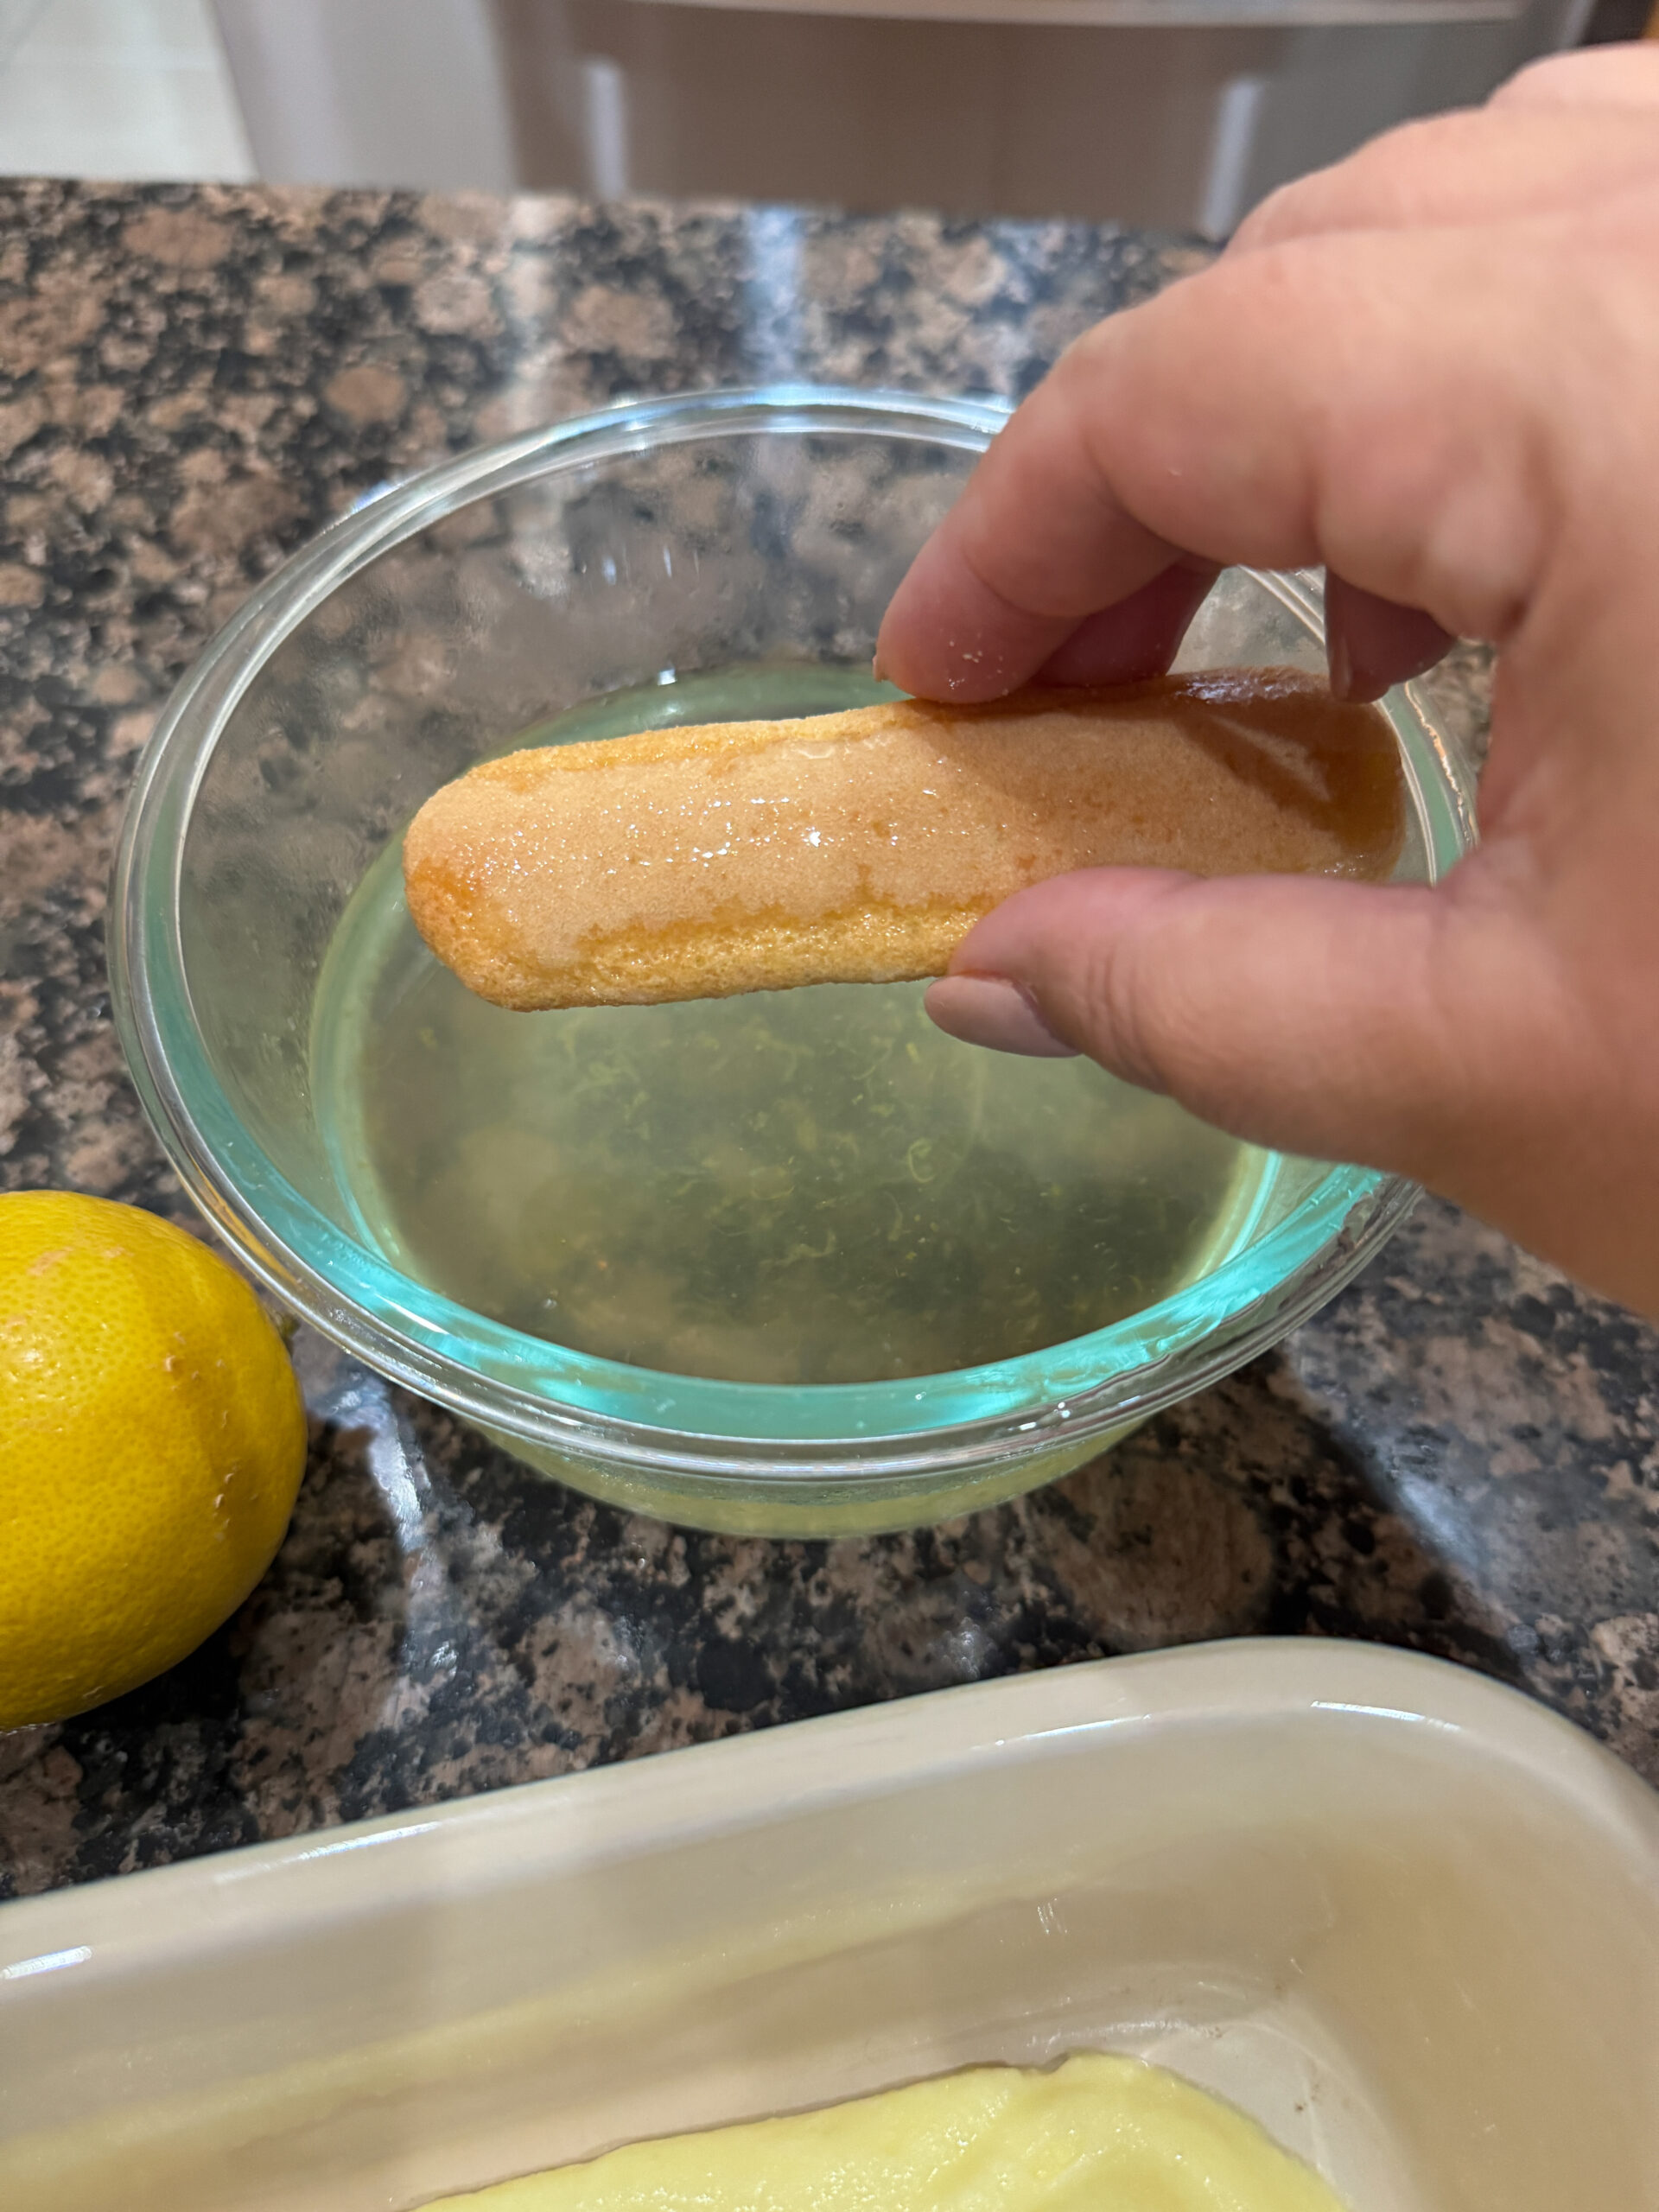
[(1460, 1455)]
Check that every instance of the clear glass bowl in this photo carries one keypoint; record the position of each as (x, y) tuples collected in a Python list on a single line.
[(643, 543)]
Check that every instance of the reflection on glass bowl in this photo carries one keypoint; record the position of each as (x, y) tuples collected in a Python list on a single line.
[(794, 1264)]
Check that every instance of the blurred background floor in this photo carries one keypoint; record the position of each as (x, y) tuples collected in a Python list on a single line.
[(117, 88)]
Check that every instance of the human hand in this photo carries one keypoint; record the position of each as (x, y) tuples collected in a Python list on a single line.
[(1435, 370)]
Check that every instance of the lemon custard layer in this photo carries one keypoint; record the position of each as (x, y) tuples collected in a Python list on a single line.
[(1096, 2133)]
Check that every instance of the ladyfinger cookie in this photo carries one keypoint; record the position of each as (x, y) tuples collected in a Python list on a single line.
[(860, 847)]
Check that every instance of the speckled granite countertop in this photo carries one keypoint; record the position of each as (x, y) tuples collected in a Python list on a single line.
[(1461, 1453)]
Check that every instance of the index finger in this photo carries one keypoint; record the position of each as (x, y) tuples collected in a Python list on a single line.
[(1038, 540), (1328, 400)]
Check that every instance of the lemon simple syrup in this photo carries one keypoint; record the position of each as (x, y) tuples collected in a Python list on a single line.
[(801, 1186)]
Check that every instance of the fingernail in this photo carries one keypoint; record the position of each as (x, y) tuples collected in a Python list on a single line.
[(991, 1011), (1340, 660), (876, 669)]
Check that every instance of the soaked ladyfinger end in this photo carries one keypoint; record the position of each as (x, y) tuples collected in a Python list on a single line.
[(861, 847)]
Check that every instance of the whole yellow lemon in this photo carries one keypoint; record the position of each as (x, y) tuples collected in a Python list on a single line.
[(152, 1440)]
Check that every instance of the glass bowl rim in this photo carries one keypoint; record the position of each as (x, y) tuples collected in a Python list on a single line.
[(841, 1432)]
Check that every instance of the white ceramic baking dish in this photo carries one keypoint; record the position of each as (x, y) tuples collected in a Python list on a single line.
[(1408, 1919)]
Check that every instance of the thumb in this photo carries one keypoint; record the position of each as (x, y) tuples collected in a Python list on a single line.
[(1305, 1015)]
